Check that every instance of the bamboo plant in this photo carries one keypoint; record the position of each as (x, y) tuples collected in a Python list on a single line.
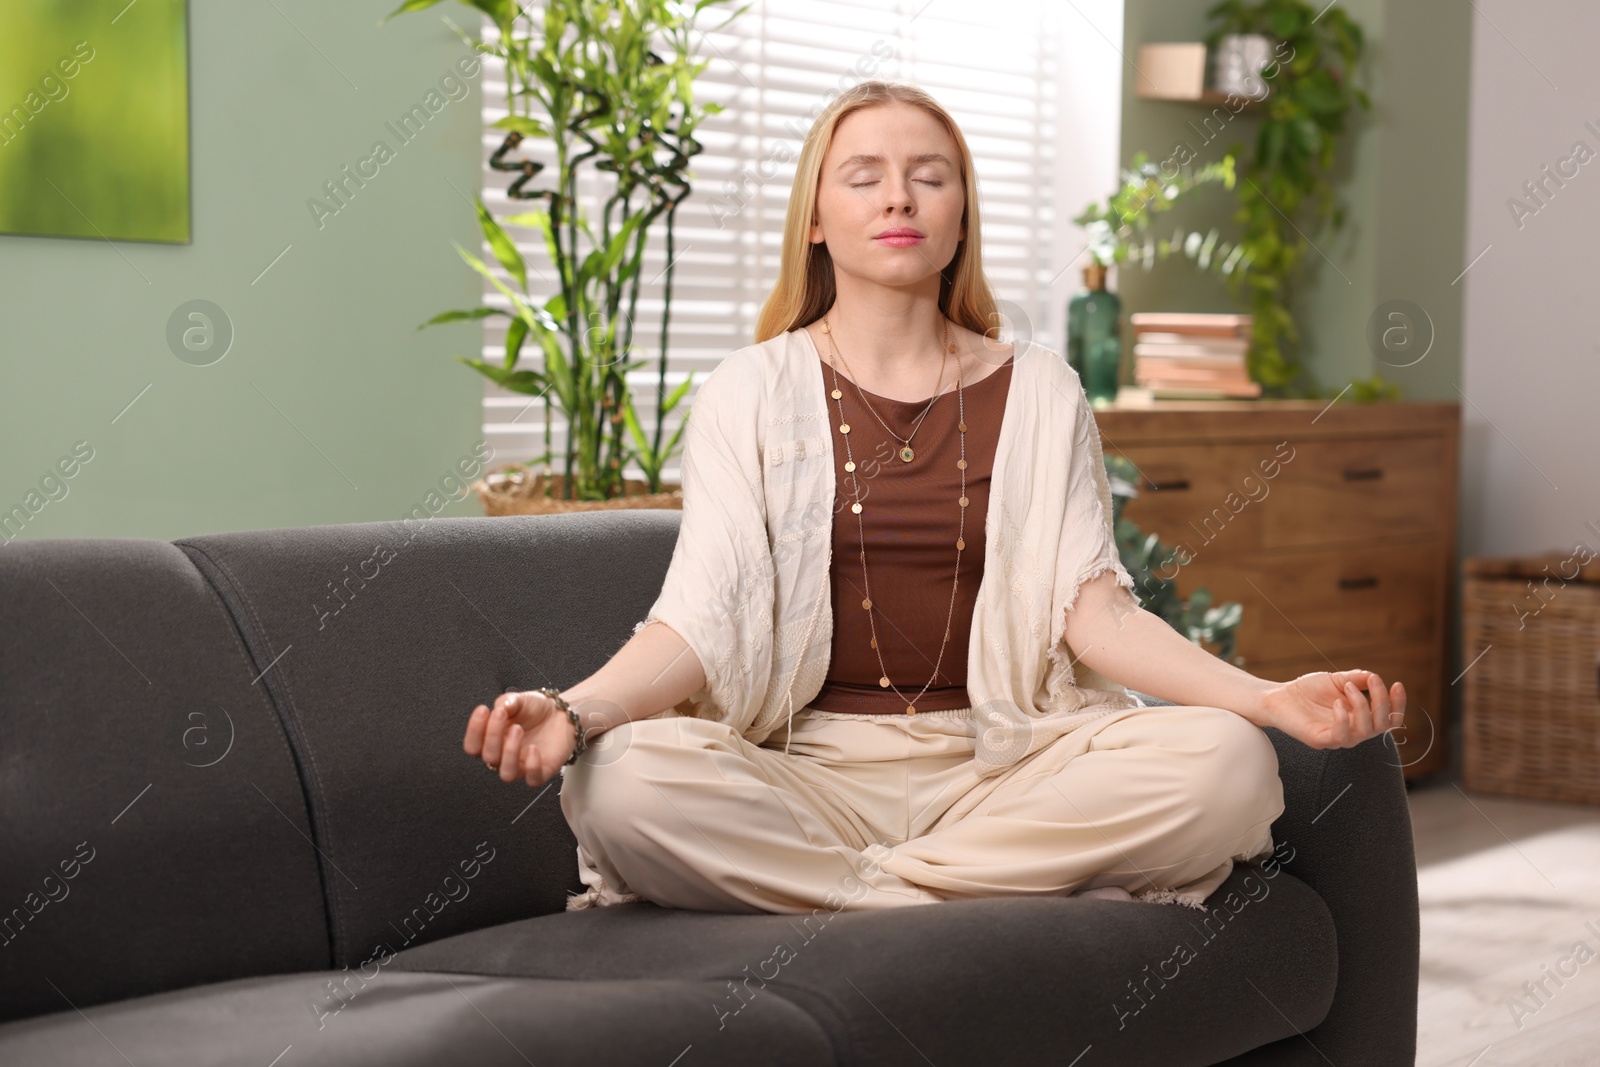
[(610, 84)]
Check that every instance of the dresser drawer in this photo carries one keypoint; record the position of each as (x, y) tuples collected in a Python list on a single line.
[(1234, 496), (1349, 490), (1320, 603), (1202, 494)]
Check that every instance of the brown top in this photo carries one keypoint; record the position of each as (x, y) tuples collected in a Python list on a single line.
[(911, 517)]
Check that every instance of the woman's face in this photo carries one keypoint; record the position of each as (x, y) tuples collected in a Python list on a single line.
[(890, 167)]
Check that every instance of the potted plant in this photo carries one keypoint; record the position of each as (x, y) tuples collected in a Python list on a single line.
[(609, 83), (1120, 232), (1285, 193)]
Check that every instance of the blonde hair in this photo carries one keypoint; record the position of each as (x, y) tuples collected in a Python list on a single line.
[(805, 286)]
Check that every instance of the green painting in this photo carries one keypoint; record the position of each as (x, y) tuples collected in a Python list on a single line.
[(94, 119)]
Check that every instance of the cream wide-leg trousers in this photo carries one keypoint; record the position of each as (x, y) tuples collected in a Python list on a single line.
[(878, 811)]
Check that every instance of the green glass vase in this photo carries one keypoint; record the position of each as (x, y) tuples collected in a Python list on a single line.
[(1094, 338)]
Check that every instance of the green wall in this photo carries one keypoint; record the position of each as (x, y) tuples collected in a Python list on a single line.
[(1402, 177), (327, 407)]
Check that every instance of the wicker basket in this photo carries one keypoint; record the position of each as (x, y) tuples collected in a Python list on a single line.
[(1531, 702), (518, 491)]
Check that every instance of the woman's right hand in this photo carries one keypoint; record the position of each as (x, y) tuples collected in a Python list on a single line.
[(525, 735)]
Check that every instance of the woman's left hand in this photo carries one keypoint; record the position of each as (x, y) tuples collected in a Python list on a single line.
[(1328, 709)]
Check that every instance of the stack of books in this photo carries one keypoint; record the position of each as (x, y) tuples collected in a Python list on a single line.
[(1190, 357)]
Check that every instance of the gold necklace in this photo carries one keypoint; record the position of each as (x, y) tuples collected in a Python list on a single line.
[(850, 465), (905, 453)]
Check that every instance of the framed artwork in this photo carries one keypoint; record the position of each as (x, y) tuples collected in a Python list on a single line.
[(94, 119)]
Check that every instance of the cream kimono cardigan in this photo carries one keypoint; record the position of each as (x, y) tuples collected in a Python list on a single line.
[(748, 586)]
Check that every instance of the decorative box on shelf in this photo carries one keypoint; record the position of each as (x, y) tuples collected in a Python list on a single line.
[(1530, 640), (1178, 71), (1334, 524), (1171, 71)]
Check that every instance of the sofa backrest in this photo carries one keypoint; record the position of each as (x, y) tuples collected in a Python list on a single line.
[(345, 823), (152, 825)]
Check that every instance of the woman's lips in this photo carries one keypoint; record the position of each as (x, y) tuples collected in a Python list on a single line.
[(899, 240)]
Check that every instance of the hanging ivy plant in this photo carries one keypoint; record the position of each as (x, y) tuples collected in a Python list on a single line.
[(1285, 197)]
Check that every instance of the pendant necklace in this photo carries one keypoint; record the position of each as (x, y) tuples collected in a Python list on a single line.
[(905, 452), (906, 455)]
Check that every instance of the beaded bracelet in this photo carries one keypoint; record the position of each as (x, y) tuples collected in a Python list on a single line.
[(582, 744)]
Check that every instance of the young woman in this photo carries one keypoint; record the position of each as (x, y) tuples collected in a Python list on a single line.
[(857, 686)]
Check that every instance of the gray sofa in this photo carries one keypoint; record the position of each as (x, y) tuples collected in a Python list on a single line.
[(237, 827)]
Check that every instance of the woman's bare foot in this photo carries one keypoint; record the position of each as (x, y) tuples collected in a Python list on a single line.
[(1106, 892)]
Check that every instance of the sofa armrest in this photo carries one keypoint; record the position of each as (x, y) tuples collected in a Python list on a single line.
[(1348, 822)]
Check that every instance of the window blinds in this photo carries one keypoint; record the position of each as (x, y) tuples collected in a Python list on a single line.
[(774, 69)]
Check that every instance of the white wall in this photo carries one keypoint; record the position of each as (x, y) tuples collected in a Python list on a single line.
[(1088, 140), (1531, 354)]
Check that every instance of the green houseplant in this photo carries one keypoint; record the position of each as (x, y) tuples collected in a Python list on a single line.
[(1121, 229), (1285, 194), (1213, 627), (610, 84)]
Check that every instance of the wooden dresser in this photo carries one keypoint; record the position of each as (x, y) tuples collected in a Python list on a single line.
[(1333, 525)]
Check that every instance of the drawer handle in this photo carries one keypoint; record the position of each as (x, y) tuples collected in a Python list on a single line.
[(1363, 474), (1358, 583), (1166, 487)]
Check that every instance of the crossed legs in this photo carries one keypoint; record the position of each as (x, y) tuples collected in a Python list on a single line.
[(1158, 801), (682, 811)]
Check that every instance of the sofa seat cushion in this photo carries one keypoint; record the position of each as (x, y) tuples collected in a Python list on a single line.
[(399, 1018), (1043, 978)]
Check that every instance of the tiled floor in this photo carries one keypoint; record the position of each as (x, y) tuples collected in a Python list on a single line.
[(1510, 893)]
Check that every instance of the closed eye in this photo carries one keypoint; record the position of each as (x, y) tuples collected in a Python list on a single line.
[(928, 181)]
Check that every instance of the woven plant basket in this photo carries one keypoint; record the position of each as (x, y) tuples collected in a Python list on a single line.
[(1531, 702), (517, 491)]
